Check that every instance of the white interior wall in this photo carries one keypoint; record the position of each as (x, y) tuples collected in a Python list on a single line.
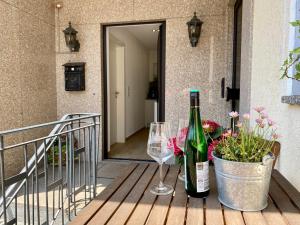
[(136, 73)]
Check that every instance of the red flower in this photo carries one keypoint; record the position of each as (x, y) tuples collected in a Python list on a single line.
[(211, 148), (176, 149)]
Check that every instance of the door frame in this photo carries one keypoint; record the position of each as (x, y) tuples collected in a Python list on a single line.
[(104, 76), (237, 5)]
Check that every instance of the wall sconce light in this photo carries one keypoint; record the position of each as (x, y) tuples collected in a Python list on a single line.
[(194, 29), (71, 39)]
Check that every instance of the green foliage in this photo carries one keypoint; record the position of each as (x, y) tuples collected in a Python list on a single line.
[(292, 60), (53, 155)]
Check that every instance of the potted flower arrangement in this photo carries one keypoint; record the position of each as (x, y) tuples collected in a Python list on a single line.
[(243, 162)]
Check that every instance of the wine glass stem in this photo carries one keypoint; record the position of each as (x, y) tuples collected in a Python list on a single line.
[(161, 184)]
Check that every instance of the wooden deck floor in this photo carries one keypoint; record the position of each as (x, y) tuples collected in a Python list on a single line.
[(128, 201)]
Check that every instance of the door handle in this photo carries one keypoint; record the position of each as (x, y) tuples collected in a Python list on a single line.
[(223, 87), (116, 93)]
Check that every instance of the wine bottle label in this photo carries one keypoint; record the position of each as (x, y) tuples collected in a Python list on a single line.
[(202, 172)]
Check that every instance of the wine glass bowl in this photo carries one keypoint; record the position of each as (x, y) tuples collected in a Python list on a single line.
[(180, 141), (160, 148)]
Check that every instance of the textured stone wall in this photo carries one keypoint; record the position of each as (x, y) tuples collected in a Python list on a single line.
[(27, 63), (201, 67)]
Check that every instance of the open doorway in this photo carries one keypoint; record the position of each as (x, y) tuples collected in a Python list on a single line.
[(133, 62)]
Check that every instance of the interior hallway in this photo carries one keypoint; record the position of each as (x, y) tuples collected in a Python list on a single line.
[(135, 147)]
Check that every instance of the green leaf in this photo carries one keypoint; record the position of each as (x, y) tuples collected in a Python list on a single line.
[(296, 50), (297, 67), (295, 23), (297, 76)]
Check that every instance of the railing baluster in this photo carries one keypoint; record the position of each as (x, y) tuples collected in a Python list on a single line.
[(37, 184), (67, 174), (26, 194), (46, 181), (61, 187), (89, 164), (73, 169), (95, 157), (2, 176), (16, 209), (33, 199), (79, 156), (53, 179), (84, 165)]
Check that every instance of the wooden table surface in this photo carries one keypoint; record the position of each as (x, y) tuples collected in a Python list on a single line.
[(128, 201)]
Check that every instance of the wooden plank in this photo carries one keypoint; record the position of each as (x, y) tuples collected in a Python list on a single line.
[(102, 216), (288, 210), (142, 210), (87, 212), (233, 217), (161, 207), (178, 206), (213, 209), (195, 212), (122, 214), (254, 218), (273, 215), (288, 188)]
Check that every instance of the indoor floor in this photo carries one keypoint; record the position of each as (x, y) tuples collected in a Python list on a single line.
[(135, 147)]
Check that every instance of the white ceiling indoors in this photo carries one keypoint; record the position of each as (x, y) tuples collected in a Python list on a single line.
[(143, 33)]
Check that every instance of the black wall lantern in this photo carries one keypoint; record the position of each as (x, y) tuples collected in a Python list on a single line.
[(194, 29), (71, 39)]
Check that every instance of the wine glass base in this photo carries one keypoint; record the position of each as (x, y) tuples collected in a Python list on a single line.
[(181, 176), (164, 190)]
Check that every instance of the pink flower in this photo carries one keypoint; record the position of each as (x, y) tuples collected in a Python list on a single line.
[(246, 116), (210, 126), (227, 133), (206, 126), (211, 148), (239, 124), (264, 115), (234, 135), (177, 150), (182, 135), (259, 109), (271, 122), (276, 136), (259, 121), (233, 114)]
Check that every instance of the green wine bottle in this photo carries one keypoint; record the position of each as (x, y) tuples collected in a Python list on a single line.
[(195, 160)]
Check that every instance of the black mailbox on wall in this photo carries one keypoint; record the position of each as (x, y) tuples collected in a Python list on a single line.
[(75, 76)]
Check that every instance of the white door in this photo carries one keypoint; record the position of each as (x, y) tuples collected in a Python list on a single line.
[(120, 94), (116, 92)]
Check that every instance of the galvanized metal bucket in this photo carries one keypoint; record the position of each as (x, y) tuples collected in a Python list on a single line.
[(243, 186)]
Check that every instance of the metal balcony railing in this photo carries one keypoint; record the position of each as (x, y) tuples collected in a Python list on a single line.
[(59, 173)]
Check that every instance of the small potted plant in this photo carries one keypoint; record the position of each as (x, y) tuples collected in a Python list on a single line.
[(53, 153), (243, 162)]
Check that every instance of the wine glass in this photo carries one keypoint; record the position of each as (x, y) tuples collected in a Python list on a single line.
[(182, 131), (160, 147)]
